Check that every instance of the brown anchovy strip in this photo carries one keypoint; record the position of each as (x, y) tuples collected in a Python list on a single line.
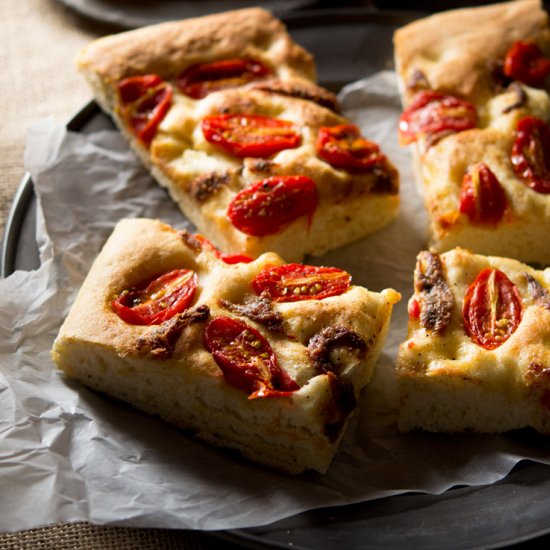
[(339, 407), (161, 341), (258, 309), (205, 185), (318, 95), (386, 181), (189, 240), (500, 80), (418, 81), (538, 374), (520, 95), (330, 338), (436, 297), (260, 165), (432, 139), (540, 295)]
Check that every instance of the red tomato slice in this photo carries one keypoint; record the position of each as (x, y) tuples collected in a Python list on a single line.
[(482, 198), (250, 135), (197, 81), (156, 301), (233, 259), (492, 309), (525, 62), (344, 147), (413, 309), (265, 207), (246, 359), (227, 258), (295, 282), (531, 154), (145, 101), (432, 115)]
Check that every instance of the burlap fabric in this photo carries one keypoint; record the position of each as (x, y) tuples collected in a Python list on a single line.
[(83, 536), (39, 41)]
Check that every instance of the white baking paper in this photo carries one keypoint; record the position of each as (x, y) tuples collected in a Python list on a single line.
[(68, 454)]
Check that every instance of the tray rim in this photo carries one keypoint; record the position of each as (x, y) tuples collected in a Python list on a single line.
[(24, 195), (112, 19)]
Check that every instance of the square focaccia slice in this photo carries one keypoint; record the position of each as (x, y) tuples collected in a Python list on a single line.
[(474, 86), (259, 356), (224, 112), (477, 357)]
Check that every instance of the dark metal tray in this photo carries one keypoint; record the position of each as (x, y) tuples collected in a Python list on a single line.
[(350, 44), (128, 14)]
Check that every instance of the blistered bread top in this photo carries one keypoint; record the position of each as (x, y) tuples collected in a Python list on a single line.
[(185, 160), (167, 49), (140, 249), (523, 357), (456, 50), (182, 152)]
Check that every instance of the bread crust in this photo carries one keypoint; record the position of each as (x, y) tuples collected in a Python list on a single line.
[(168, 48), (455, 49), (350, 205), (185, 386)]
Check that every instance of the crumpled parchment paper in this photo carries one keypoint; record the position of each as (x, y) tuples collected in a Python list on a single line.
[(68, 454)]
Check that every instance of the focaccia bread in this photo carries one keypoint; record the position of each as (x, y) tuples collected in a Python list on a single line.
[(475, 88), (225, 113), (477, 357), (259, 356)]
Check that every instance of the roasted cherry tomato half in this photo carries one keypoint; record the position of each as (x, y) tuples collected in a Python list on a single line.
[(197, 81), (492, 309), (295, 282), (145, 100), (246, 359), (526, 63), (413, 309), (158, 300), (531, 154), (227, 258), (250, 135), (432, 115), (344, 147), (265, 207), (482, 198), (233, 259)]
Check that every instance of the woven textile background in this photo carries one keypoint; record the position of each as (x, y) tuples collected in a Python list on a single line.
[(39, 43)]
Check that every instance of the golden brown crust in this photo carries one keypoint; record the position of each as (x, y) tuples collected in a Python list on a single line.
[(456, 50), (168, 48)]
